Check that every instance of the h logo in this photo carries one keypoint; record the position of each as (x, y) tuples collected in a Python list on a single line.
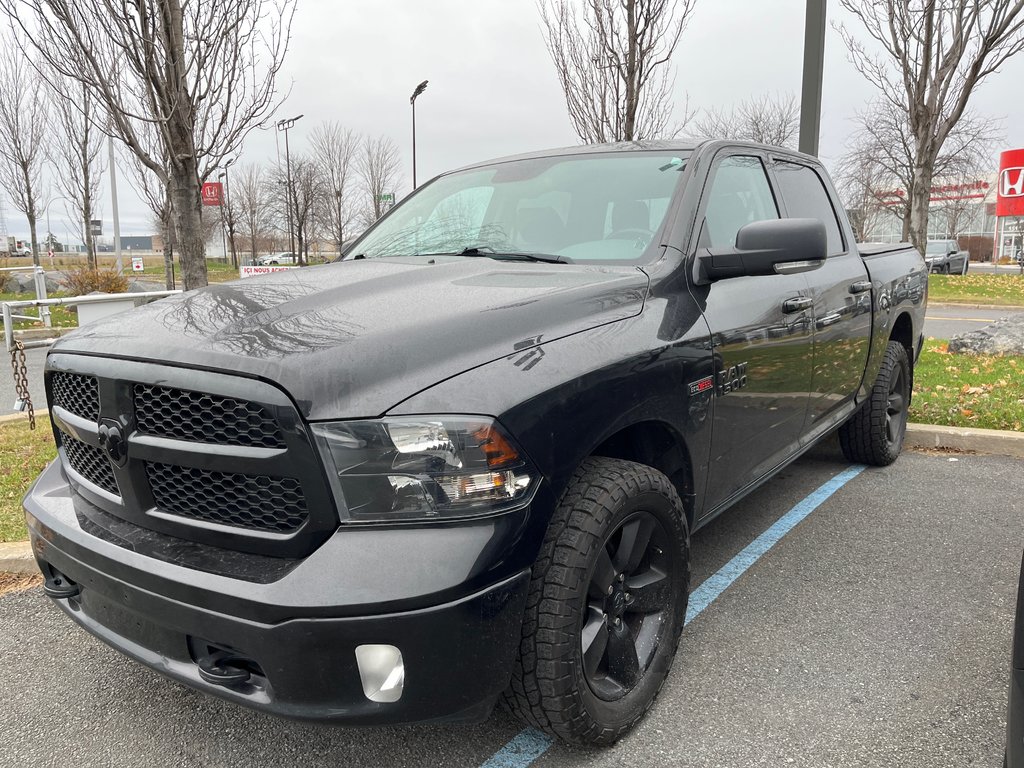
[(1011, 182)]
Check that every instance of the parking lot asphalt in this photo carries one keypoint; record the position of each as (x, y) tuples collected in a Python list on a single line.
[(875, 633), (944, 322)]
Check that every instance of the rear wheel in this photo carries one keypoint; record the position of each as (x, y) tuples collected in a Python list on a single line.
[(874, 434), (606, 605)]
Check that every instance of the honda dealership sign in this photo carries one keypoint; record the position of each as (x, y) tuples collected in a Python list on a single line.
[(212, 193), (1010, 188)]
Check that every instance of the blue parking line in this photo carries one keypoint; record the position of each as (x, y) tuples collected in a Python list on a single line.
[(529, 744)]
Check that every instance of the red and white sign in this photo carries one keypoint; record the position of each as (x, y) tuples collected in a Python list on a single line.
[(1010, 189), (213, 193), (254, 270), (138, 265)]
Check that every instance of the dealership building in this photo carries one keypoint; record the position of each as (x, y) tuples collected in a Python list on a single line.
[(985, 214)]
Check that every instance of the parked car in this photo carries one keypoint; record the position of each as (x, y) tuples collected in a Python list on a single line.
[(946, 257), (1015, 713), (464, 462), (276, 258)]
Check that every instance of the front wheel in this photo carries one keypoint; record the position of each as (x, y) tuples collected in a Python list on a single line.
[(606, 604), (874, 434)]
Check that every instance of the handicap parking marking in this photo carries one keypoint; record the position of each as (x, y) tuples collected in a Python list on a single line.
[(529, 744)]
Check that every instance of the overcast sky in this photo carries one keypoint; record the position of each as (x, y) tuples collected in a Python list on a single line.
[(493, 89)]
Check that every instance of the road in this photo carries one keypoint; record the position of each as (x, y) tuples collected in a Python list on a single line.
[(876, 633), (946, 321)]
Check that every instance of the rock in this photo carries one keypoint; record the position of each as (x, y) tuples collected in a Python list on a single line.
[(1003, 337), (142, 286)]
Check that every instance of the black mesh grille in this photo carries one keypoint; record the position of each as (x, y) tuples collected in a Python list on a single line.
[(205, 418), (90, 462), (255, 502), (78, 394)]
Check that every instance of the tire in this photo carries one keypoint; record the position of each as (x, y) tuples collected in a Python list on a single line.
[(874, 434), (593, 699), (945, 268)]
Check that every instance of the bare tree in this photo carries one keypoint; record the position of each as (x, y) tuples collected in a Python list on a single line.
[(334, 150), (306, 203), (613, 61), (934, 55), (881, 157), (23, 116), (76, 150), (377, 167), (156, 195), (765, 119), (864, 185), (202, 73), (254, 205)]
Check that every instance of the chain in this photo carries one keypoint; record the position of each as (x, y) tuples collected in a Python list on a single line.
[(21, 380)]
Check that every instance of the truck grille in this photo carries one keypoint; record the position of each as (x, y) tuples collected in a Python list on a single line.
[(209, 457), (89, 462), (257, 502), (77, 394), (203, 417)]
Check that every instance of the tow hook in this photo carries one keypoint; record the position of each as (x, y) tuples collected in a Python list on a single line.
[(60, 587), (223, 668)]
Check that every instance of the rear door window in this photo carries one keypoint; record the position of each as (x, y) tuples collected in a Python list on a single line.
[(739, 195)]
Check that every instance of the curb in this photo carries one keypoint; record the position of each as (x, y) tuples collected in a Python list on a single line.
[(994, 441), (16, 557), (12, 417), (959, 305)]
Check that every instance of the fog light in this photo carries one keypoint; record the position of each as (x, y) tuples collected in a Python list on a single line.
[(381, 671)]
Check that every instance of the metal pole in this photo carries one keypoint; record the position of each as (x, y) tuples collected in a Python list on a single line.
[(113, 207), (231, 224), (288, 163), (44, 311), (414, 143), (814, 62)]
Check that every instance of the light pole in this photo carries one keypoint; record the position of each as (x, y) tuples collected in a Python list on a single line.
[(337, 197), (814, 58), (412, 100), (285, 125), (229, 216)]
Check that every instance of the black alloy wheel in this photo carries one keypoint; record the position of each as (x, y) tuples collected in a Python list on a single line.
[(874, 433), (896, 407), (606, 604), (627, 598)]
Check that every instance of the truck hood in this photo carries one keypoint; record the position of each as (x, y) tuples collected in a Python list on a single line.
[(355, 338)]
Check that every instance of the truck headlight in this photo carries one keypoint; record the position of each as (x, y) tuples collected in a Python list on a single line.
[(424, 467)]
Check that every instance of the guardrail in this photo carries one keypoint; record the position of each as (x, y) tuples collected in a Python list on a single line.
[(9, 316)]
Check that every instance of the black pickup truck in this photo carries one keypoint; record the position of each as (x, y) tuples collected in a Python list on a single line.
[(463, 463)]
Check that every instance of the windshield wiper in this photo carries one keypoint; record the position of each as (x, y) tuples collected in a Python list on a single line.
[(490, 253)]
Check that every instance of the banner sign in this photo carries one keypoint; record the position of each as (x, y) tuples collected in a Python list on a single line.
[(212, 193), (252, 271), (1010, 187)]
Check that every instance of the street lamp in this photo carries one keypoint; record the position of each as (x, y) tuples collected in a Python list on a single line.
[(285, 125), (337, 196), (412, 100), (228, 216)]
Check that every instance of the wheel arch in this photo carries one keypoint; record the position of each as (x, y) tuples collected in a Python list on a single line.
[(659, 445), (903, 332)]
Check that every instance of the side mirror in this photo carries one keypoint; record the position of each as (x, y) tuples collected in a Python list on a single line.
[(775, 246)]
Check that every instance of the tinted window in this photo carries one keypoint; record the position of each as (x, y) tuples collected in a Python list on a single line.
[(739, 195), (806, 198)]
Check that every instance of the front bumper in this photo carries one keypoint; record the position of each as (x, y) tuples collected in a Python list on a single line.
[(298, 634)]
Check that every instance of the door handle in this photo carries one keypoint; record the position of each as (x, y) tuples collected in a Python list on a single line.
[(860, 286), (797, 304)]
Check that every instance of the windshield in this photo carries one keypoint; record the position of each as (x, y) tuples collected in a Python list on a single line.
[(939, 246), (580, 208)]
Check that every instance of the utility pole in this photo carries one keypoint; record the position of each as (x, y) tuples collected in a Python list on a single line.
[(285, 125), (814, 62), (412, 100), (113, 206)]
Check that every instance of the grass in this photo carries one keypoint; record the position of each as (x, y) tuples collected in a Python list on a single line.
[(1003, 290), (23, 455), (967, 390), (60, 317)]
